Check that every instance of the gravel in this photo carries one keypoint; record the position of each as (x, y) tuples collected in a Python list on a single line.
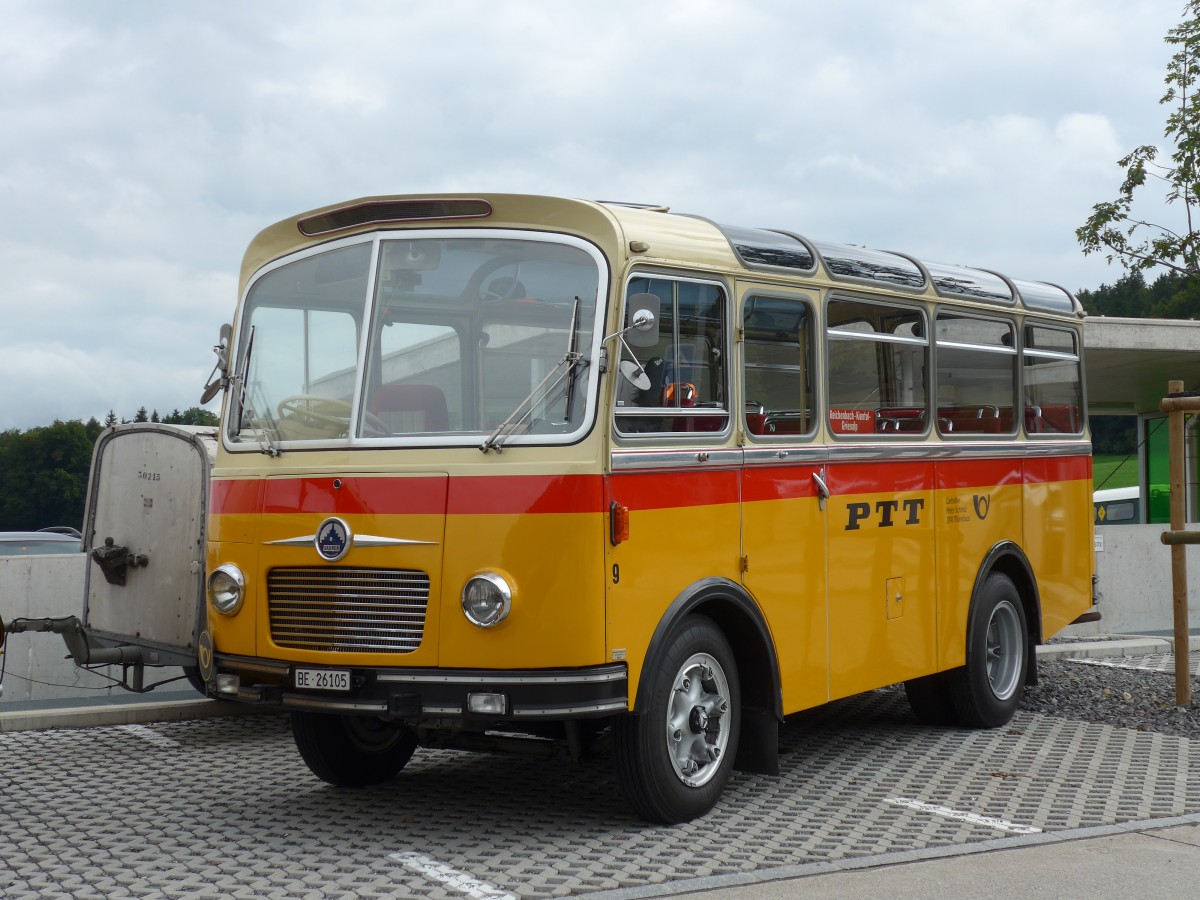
[(1109, 694)]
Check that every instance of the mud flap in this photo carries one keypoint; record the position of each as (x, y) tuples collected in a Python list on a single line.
[(758, 749)]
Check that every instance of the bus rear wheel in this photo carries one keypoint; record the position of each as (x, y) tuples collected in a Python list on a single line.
[(987, 690), (352, 751), (674, 758)]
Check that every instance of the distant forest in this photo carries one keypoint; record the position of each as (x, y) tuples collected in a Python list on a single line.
[(44, 471), (1169, 296)]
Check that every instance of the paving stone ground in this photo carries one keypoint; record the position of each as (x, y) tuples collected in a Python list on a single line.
[(225, 808)]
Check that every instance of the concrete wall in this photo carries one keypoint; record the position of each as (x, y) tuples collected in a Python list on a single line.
[(37, 666), (1134, 589), (1134, 570)]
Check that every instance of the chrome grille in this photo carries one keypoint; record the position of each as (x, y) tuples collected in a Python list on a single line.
[(330, 609)]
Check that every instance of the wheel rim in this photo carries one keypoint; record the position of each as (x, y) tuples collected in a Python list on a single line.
[(698, 719), (1004, 650)]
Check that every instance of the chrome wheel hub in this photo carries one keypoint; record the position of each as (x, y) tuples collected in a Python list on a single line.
[(1004, 651), (697, 723)]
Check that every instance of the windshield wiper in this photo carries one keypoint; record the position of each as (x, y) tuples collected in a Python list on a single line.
[(570, 359), (264, 425)]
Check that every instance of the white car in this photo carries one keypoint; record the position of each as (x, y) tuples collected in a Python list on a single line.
[(40, 543)]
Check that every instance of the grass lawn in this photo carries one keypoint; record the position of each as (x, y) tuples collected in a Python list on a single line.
[(1109, 471)]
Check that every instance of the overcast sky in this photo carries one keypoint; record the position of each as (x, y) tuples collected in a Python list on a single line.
[(143, 144)]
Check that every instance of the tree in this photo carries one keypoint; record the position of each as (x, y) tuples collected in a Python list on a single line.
[(142, 415), (1170, 296), (1113, 228), (44, 475), (198, 415), (110, 420)]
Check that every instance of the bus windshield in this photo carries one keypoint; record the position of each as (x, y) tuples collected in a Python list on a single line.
[(419, 340)]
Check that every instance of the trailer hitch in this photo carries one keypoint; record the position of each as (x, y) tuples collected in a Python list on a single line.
[(113, 560), (85, 649)]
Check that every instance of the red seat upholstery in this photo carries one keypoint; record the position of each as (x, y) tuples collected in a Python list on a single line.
[(407, 408), (975, 420)]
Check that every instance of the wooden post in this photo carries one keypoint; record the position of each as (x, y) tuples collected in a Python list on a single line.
[(1179, 585)]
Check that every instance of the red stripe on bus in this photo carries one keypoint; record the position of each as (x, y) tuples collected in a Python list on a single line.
[(517, 494), (507, 494), (356, 496), (674, 490), (976, 473), (778, 483), (1058, 468), (880, 478), (514, 494), (235, 497)]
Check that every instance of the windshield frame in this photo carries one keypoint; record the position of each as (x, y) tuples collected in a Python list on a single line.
[(272, 443)]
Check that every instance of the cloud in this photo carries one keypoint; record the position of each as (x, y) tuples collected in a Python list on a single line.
[(146, 143)]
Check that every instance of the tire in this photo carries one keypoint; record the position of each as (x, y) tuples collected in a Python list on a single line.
[(192, 674), (929, 699), (674, 757), (352, 751), (987, 690)]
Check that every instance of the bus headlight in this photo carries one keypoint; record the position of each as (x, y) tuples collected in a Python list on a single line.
[(486, 599), (226, 589)]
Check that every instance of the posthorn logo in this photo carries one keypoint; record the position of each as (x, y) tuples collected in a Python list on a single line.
[(333, 539)]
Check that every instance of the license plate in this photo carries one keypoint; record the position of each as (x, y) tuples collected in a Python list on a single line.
[(322, 679)]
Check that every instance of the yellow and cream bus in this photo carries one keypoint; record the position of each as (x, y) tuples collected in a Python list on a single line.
[(494, 465)]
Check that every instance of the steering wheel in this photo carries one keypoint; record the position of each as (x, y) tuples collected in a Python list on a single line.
[(326, 413), (502, 288)]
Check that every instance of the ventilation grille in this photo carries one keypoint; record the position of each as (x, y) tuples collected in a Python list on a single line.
[(384, 211), (343, 609)]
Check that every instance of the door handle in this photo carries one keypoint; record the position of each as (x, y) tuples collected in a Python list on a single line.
[(822, 488)]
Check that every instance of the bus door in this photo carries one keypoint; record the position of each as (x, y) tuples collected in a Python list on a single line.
[(783, 529), (879, 513), (882, 587)]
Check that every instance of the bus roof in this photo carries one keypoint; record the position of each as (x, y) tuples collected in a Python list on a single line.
[(654, 232)]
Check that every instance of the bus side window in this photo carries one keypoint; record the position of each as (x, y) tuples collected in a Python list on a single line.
[(682, 378), (976, 375), (878, 357), (777, 381), (1052, 381)]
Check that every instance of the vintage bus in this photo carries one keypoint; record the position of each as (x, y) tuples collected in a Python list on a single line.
[(502, 465)]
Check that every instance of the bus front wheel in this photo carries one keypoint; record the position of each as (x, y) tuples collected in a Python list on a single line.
[(987, 690), (674, 757), (352, 751)]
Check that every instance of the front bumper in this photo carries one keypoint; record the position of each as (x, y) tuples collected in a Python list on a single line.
[(427, 694)]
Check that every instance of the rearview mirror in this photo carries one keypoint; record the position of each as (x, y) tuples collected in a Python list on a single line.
[(641, 312), (220, 373)]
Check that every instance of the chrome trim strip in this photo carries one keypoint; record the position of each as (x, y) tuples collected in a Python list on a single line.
[(371, 540), (607, 706), (785, 454), (358, 540), (442, 710), (675, 458), (322, 703), (874, 451), (617, 674), (253, 664)]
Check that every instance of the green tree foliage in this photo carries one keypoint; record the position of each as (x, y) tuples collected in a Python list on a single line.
[(1113, 435), (1114, 228), (193, 415), (44, 471), (1169, 296), (44, 474)]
